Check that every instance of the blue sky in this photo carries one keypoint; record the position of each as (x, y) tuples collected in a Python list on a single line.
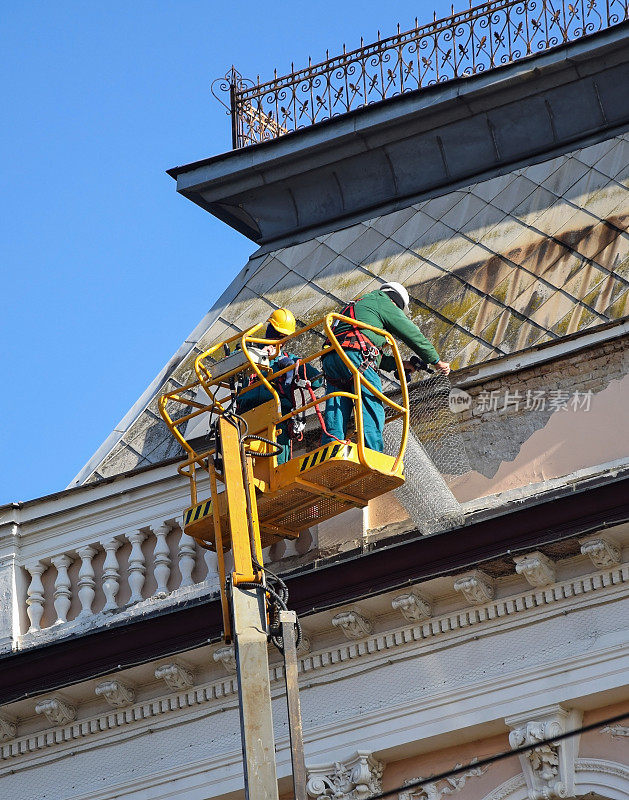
[(105, 268)]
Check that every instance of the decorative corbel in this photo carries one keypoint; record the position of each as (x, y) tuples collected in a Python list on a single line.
[(477, 586), (548, 768), (116, 693), (57, 711), (537, 568), (412, 606), (354, 779), (8, 729), (353, 624), (602, 550), (227, 657), (176, 676)]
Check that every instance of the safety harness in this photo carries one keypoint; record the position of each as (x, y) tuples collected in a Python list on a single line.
[(354, 339)]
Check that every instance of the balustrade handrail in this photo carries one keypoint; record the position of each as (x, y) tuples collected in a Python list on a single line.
[(465, 43)]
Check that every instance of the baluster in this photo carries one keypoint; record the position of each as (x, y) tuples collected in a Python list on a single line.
[(111, 574), (137, 566), (161, 555), (63, 591), (87, 583), (35, 595), (211, 559), (187, 556)]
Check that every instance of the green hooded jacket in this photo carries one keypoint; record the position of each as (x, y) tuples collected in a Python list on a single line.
[(377, 309)]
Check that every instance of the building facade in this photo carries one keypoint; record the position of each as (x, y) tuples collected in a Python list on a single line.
[(500, 198)]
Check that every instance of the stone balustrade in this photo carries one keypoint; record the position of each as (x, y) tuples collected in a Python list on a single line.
[(120, 573)]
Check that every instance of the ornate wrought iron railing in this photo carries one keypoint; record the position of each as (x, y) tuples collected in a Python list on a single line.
[(480, 38)]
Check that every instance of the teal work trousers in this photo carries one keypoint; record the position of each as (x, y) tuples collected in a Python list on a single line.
[(283, 440), (338, 410)]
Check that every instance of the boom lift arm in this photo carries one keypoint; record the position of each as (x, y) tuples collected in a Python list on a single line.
[(261, 502)]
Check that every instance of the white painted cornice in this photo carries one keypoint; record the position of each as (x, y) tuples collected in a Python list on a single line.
[(384, 649)]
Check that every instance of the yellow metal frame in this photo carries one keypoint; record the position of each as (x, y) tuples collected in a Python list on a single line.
[(272, 479)]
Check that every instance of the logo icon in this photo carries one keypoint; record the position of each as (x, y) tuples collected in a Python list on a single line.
[(459, 401)]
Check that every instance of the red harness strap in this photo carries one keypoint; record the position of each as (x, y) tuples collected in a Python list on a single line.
[(354, 338)]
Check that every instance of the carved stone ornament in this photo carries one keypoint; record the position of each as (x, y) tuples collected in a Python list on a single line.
[(56, 711), (175, 675), (412, 606), (602, 551), (537, 568), (116, 693), (227, 657), (353, 624), (357, 778), (616, 731), (305, 646), (548, 769), (476, 586), (8, 729), (435, 791)]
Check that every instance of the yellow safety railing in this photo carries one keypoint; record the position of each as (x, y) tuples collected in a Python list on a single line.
[(264, 376)]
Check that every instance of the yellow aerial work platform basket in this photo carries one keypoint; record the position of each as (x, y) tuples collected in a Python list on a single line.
[(315, 484)]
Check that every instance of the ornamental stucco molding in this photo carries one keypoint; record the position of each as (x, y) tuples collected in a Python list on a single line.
[(226, 656), (413, 606), (357, 778), (601, 767), (8, 729), (581, 591), (439, 789), (602, 550), (507, 788), (476, 586), (537, 568), (548, 768), (56, 710), (353, 624), (175, 675), (116, 693), (616, 731)]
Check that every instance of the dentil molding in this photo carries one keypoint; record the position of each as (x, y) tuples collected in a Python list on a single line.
[(582, 590), (357, 778)]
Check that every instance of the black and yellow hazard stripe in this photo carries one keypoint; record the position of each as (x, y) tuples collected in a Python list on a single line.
[(319, 456), (197, 512)]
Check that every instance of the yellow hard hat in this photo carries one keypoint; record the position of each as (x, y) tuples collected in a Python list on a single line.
[(283, 321)]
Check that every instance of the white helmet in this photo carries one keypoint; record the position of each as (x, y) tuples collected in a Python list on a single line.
[(392, 287)]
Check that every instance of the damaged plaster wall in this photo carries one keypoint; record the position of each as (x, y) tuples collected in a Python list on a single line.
[(510, 445)]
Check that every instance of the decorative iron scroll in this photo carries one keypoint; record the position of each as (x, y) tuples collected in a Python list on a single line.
[(481, 38)]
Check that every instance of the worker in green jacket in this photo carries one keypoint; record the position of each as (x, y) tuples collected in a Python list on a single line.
[(386, 309)]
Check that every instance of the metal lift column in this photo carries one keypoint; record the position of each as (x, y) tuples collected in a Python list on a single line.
[(249, 629)]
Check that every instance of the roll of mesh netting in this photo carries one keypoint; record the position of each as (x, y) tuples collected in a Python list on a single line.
[(424, 494)]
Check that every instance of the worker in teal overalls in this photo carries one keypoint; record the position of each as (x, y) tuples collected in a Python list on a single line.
[(386, 309), (281, 323)]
